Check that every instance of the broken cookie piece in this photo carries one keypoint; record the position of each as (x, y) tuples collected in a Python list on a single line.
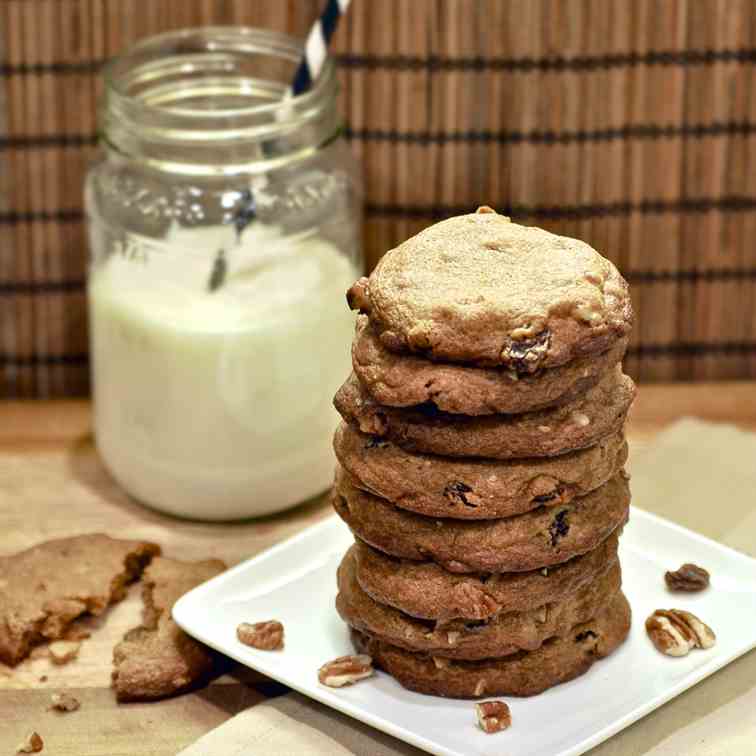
[(158, 659), (45, 588)]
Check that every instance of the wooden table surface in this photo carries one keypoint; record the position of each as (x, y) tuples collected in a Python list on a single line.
[(52, 484)]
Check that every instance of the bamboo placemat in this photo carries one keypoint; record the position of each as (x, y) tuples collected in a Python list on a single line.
[(629, 124)]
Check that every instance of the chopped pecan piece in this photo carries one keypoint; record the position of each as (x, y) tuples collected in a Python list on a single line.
[(32, 744), (346, 670), (675, 632), (580, 419), (525, 355), (690, 578), (64, 702), (493, 716), (266, 636), (457, 491)]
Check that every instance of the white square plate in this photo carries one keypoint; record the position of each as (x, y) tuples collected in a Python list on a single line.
[(295, 582)]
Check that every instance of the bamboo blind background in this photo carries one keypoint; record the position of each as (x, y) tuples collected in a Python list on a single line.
[(629, 123)]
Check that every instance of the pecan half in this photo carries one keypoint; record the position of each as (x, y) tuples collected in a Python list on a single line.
[(689, 578), (346, 670), (493, 716), (266, 636), (675, 632), (64, 702)]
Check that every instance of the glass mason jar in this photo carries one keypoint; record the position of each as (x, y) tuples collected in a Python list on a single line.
[(224, 225)]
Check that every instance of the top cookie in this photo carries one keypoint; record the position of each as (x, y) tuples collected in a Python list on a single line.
[(478, 288)]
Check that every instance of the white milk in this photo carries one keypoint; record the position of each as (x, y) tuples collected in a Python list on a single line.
[(218, 405)]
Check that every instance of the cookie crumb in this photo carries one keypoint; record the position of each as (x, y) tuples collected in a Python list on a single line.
[(32, 744), (62, 652), (64, 702)]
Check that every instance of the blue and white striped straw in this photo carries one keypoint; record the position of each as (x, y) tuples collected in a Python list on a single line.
[(316, 47), (316, 52)]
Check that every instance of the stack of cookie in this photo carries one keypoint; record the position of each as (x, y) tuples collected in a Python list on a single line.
[(481, 459)]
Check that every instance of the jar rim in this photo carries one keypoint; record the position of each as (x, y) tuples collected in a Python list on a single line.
[(216, 100), (246, 38)]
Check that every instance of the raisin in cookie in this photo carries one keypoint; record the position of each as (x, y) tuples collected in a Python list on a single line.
[(479, 289)]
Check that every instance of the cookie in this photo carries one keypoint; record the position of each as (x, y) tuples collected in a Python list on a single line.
[(404, 380), (504, 634), (158, 659), (525, 673), (45, 588), (479, 289), (545, 536), (580, 423), (428, 591), (474, 489)]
